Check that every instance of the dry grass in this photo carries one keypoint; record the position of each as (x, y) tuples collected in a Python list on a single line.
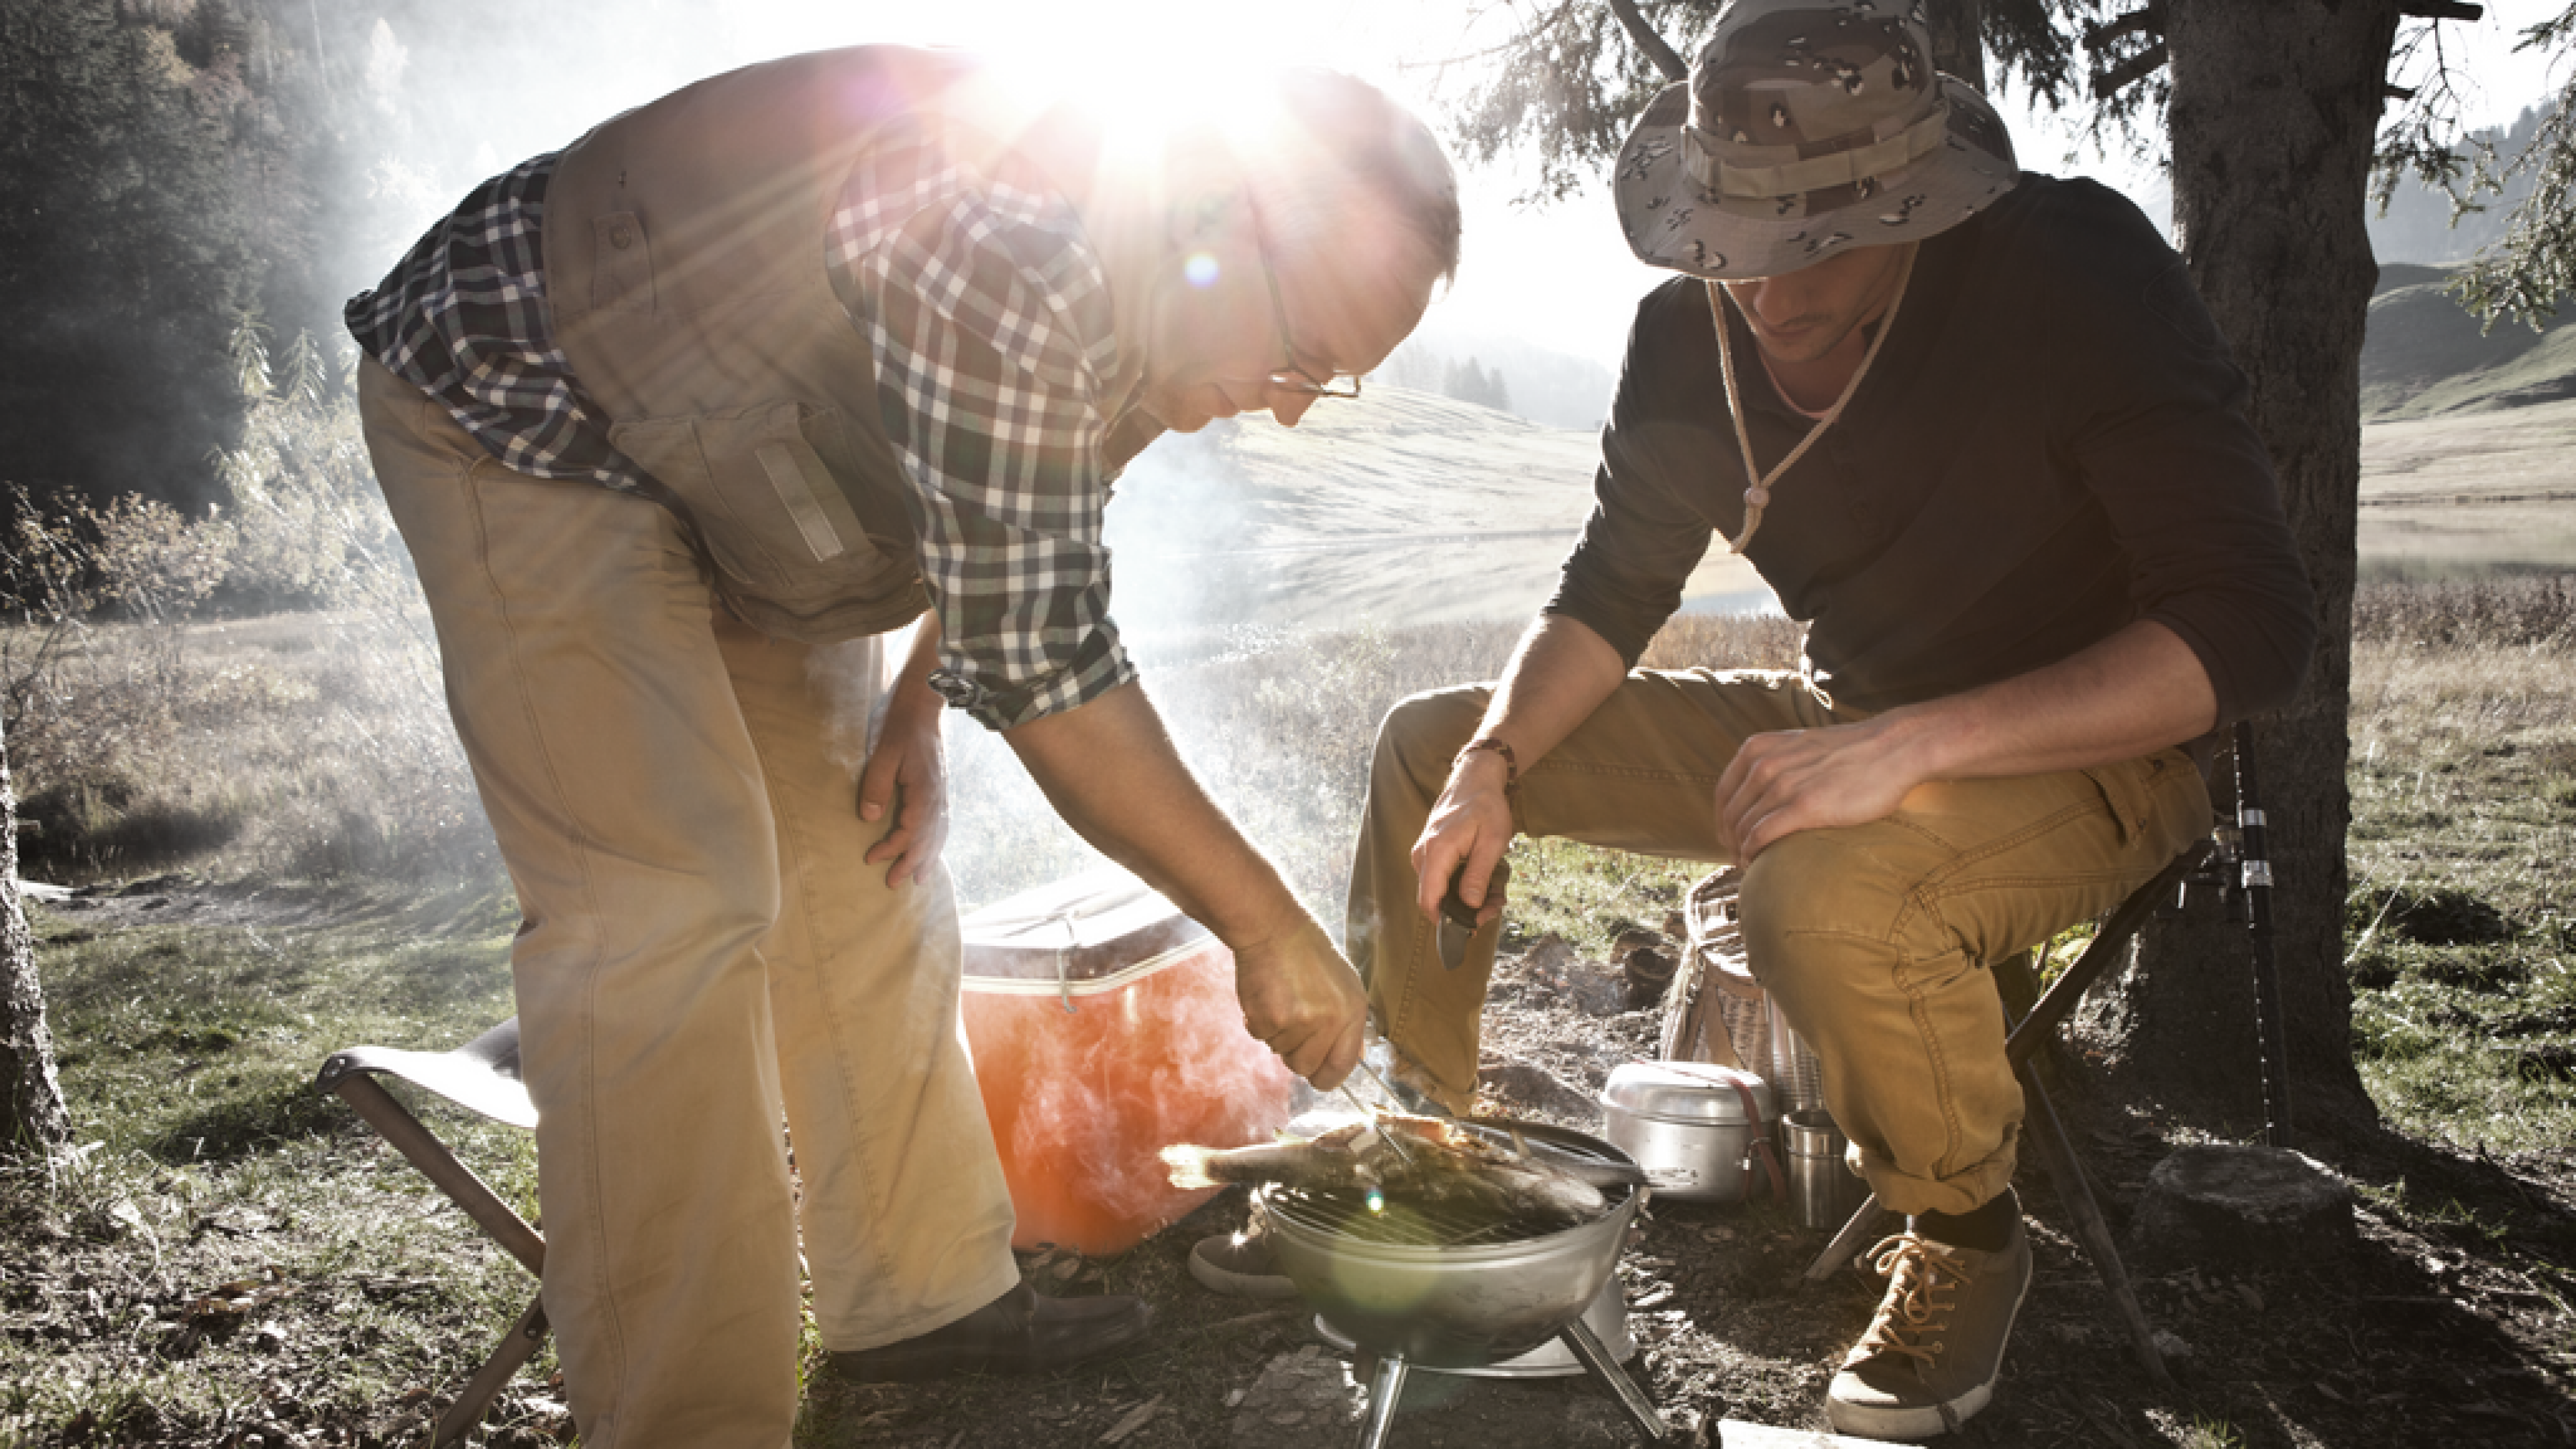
[(2526, 613), (288, 747), (2464, 820), (252, 693)]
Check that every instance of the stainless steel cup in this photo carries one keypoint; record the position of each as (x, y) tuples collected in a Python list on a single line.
[(1824, 1191)]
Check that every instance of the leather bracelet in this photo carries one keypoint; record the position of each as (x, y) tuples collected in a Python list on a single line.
[(1511, 762)]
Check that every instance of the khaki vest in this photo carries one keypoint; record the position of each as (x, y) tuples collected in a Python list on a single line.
[(687, 284)]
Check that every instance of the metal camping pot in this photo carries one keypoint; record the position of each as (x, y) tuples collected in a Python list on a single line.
[(1686, 1124)]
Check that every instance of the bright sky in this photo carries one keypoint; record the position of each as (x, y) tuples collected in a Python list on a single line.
[(1560, 277)]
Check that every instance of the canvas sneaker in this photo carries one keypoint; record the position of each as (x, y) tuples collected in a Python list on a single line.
[(1930, 1358)]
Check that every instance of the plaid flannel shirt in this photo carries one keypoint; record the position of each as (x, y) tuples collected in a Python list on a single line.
[(463, 316), (990, 319)]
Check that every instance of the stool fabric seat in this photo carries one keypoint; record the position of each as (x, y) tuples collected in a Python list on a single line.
[(481, 1076)]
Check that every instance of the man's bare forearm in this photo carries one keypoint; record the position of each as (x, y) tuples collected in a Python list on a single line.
[(2138, 691), (1559, 674), (911, 687), (1110, 770)]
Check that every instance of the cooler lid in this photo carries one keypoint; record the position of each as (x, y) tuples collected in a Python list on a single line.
[(1685, 1091), (1080, 929)]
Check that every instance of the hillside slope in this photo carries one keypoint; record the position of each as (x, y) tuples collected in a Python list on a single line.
[(1400, 507), (2424, 355)]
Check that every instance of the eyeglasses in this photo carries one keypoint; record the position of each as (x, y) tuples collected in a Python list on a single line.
[(1292, 378)]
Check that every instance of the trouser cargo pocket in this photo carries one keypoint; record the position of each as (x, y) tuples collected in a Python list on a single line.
[(2155, 797)]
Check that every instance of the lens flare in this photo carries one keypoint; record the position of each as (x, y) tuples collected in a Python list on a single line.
[(1376, 1201), (1200, 270)]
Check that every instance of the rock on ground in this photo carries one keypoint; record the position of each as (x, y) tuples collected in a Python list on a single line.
[(2216, 1205)]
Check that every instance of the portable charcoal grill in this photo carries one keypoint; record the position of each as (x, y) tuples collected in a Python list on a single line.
[(1451, 1290)]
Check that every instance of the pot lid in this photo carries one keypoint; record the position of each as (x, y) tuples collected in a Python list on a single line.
[(1092, 925), (1685, 1091)]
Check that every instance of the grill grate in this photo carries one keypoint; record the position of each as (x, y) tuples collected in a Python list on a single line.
[(1349, 1214)]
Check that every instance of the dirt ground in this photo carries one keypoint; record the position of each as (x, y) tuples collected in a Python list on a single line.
[(2449, 1323)]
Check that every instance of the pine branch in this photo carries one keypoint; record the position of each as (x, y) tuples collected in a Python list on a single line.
[(2147, 62)]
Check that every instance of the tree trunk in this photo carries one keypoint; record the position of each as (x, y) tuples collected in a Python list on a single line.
[(2273, 111), (1958, 47), (31, 1101)]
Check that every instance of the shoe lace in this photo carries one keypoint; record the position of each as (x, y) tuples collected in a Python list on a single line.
[(1921, 1277)]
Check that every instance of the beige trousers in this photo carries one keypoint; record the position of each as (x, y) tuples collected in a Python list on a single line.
[(702, 949), (1874, 939)]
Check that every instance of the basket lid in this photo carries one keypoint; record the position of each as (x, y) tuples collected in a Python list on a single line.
[(1685, 1091), (1080, 929)]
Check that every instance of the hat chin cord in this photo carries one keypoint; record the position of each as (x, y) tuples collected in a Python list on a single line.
[(1757, 494)]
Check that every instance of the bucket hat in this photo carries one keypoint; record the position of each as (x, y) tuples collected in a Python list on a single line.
[(1806, 127)]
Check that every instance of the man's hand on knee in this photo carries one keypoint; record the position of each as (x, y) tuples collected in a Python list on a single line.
[(1813, 779)]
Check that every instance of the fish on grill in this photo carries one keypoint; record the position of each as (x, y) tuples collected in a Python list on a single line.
[(1437, 1165)]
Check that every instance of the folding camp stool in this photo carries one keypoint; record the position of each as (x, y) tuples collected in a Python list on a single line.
[(480, 1076), (2244, 880)]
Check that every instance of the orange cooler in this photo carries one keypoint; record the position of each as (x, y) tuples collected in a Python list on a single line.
[(1105, 1028)]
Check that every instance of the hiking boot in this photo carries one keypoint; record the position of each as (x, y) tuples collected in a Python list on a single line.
[(1017, 1333), (1930, 1358)]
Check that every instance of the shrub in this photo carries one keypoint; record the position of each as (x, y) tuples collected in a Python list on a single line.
[(160, 709), (2509, 613)]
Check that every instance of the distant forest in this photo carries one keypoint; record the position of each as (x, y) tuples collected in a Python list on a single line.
[(2418, 228), (164, 164), (168, 165)]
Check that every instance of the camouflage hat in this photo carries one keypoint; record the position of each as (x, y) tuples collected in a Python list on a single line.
[(1807, 126)]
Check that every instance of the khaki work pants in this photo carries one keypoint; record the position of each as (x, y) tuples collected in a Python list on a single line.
[(702, 948), (1874, 939)]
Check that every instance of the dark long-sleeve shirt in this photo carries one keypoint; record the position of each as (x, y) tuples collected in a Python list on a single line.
[(2050, 446)]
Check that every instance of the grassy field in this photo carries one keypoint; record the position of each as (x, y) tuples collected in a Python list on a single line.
[(227, 1258), (2461, 926)]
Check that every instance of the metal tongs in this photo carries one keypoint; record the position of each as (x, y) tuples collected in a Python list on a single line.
[(1373, 1113)]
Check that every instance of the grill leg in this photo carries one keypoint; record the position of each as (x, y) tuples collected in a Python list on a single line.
[(1587, 1346), (1386, 1386)]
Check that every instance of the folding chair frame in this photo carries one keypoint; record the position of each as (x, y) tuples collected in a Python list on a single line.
[(352, 1075)]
